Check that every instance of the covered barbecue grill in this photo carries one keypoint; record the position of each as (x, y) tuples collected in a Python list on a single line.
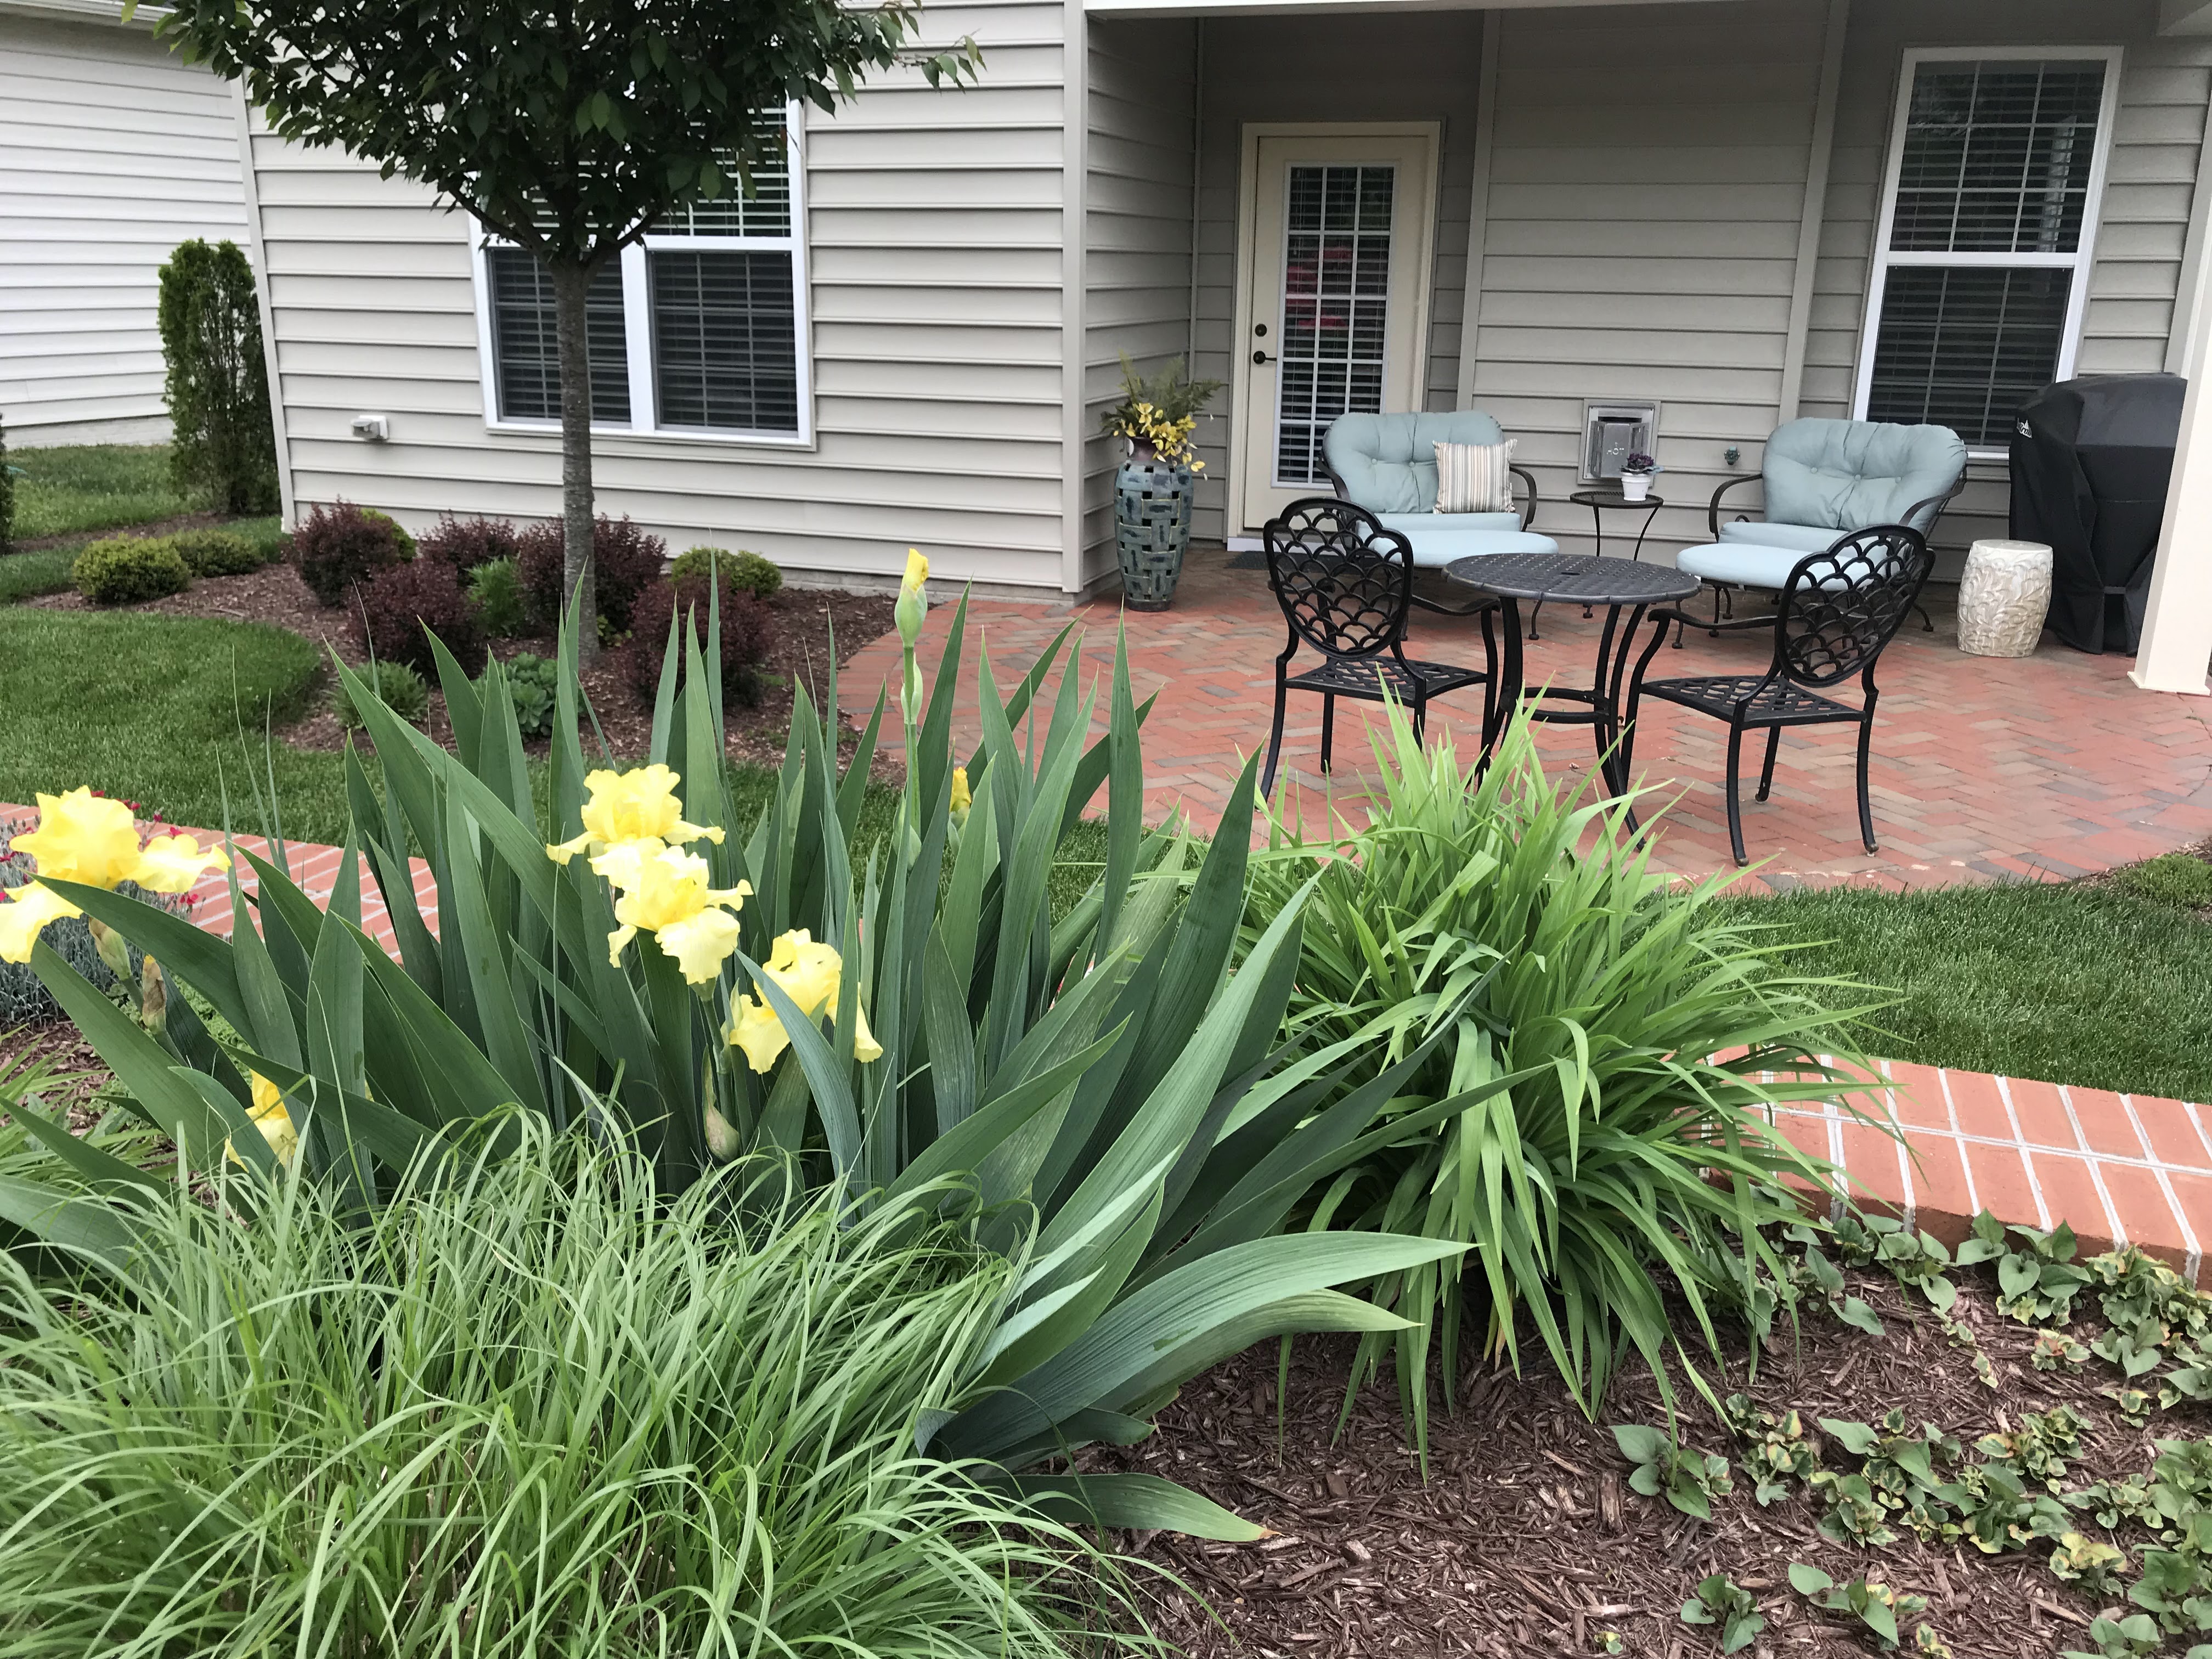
[(2090, 461)]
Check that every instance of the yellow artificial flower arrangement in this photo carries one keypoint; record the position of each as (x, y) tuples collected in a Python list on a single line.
[(89, 838), (1161, 412)]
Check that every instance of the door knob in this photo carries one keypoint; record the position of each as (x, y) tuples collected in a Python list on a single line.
[(1262, 357)]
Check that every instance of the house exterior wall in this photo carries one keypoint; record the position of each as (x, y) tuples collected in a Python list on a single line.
[(112, 152), (1648, 185), (1137, 241), (1408, 66), (2165, 86), (936, 237)]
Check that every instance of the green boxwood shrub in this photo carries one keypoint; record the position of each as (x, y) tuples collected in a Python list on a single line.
[(217, 552), (130, 570), (738, 572), (501, 611), (404, 692)]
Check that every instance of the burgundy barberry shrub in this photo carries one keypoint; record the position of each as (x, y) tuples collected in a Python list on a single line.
[(341, 546), (392, 613), (465, 544), (625, 560), (748, 631)]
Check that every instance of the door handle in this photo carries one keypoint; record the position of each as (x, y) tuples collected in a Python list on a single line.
[(1262, 357)]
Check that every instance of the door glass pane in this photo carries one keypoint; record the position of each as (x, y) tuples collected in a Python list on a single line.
[(523, 345), (1963, 346), (725, 341), (1336, 287)]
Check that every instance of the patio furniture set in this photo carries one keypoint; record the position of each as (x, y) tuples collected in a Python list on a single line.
[(1844, 548)]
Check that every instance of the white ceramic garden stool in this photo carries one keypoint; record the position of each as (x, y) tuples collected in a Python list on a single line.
[(2002, 598)]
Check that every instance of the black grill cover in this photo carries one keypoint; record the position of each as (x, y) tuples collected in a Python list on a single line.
[(2090, 461)]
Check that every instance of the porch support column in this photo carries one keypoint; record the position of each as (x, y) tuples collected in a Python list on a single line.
[(2177, 636)]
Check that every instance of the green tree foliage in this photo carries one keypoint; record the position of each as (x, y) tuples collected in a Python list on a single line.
[(225, 447), (7, 495), (567, 130)]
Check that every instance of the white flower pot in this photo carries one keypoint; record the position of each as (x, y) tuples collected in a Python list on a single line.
[(1635, 486)]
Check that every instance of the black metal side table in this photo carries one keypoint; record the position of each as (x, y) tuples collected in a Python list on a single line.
[(1599, 502), (1583, 579)]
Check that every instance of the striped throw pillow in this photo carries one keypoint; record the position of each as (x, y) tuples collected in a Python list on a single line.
[(1474, 477)]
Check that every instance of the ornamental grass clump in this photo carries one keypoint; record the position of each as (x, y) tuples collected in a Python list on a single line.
[(530, 1406), (1622, 1182), (705, 986)]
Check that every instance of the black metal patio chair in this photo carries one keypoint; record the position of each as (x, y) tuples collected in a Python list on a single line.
[(1837, 611), (1345, 584)]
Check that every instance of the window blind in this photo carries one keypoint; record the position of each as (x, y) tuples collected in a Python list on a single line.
[(724, 340), (525, 347)]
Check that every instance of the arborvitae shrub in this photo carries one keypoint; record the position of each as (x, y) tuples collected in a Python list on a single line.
[(224, 447)]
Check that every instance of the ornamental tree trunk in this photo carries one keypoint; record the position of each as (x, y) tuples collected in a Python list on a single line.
[(571, 284)]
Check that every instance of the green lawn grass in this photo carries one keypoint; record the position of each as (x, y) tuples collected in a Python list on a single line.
[(77, 487), (2085, 983)]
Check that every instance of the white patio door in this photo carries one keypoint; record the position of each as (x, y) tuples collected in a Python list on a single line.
[(1334, 315)]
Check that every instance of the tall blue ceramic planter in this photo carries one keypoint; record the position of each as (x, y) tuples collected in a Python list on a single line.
[(1152, 526)]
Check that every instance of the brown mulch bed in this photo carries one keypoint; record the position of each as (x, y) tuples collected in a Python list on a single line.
[(807, 621), (1526, 1539)]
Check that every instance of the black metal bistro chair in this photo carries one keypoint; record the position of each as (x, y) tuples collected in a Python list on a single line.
[(1838, 611), (1345, 584)]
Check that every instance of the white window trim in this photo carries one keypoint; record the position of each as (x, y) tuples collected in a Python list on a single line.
[(2083, 261), (637, 325)]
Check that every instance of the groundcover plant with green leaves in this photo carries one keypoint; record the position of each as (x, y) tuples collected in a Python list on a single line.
[(530, 1406), (1484, 928), (649, 965)]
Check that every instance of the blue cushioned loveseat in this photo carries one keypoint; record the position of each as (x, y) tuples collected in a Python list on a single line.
[(1825, 479), (1388, 464)]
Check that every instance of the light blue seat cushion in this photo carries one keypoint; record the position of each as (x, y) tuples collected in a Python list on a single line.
[(1853, 475), (1805, 537), (1744, 563), (1387, 463), (1435, 549), (1429, 524)]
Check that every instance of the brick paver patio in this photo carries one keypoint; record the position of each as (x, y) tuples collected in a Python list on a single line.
[(2049, 765)]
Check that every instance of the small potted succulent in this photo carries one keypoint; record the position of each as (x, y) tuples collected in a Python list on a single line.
[(1636, 474), (1154, 487)]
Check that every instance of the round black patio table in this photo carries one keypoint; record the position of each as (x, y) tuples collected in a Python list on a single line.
[(1583, 579)]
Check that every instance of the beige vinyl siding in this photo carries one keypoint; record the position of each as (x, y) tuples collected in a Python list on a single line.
[(1647, 187), (1410, 66), (2165, 85), (112, 152), (934, 234), (1137, 235)]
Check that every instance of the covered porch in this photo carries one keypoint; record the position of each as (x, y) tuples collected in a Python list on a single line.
[(1685, 209)]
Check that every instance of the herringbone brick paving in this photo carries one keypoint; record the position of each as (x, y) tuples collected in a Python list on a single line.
[(1984, 769)]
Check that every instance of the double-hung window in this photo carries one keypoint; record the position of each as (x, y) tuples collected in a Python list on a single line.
[(699, 330), (1988, 221)]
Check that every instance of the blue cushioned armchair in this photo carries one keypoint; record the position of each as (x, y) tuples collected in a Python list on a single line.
[(1388, 464), (1824, 480)]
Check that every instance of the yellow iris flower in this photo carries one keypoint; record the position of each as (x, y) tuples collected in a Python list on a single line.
[(639, 804), (913, 602), (270, 1117), (810, 975), (664, 890), (88, 838)]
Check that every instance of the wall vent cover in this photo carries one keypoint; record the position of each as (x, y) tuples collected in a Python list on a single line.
[(1612, 430)]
